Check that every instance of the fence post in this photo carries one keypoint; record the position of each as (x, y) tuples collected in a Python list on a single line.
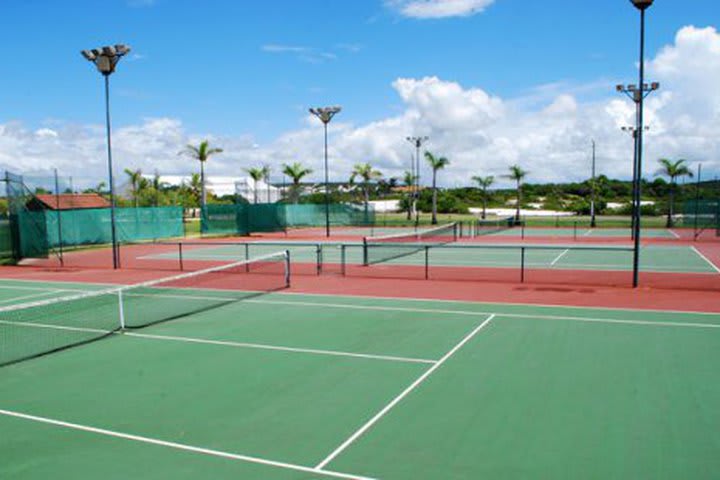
[(522, 264), (427, 262), (522, 231), (575, 230), (180, 256)]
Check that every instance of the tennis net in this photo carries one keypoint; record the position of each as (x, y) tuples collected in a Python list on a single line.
[(33, 329), (488, 227), (388, 247)]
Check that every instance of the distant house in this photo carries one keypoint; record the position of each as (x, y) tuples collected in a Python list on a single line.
[(67, 201)]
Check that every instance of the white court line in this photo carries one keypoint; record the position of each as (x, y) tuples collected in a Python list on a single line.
[(181, 446), (33, 295), (499, 314), (673, 233), (588, 232), (261, 346), (402, 395), (508, 304), (557, 259), (258, 346), (715, 267), (56, 327), (45, 288)]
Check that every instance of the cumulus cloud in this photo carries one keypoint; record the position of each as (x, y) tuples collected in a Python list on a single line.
[(481, 133), (438, 8)]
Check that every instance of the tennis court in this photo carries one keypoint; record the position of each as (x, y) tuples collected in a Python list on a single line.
[(293, 386), (559, 232), (654, 258)]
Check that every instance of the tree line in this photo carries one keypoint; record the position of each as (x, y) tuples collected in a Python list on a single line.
[(369, 183)]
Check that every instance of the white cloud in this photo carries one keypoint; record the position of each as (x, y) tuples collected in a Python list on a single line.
[(438, 8), (480, 133), (305, 54)]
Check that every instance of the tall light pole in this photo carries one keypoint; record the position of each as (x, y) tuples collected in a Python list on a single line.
[(106, 59), (326, 114), (592, 189), (418, 143), (633, 133), (638, 93)]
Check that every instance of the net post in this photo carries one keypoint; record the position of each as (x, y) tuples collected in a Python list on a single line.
[(427, 262), (287, 268), (121, 310), (342, 259), (575, 230), (522, 231), (455, 231), (319, 258), (247, 256), (180, 256), (522, 264), (365, 252)]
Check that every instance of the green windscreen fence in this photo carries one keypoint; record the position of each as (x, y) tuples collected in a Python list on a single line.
[(702, 215), (93, 226), (242, 219), (7, 252), (44, 230)]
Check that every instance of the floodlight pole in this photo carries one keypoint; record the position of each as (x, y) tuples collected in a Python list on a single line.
[(418, 142), (113, 228), (638, 94), (326, 114), (592, 191), (106, 59)]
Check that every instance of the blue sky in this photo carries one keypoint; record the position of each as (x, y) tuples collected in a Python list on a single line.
[(249, 69)]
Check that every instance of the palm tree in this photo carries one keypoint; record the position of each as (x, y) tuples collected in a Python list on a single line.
[(484, 183), (201, 153), (196, 186), (366, 172), (256, 174), (517, 174), (266, 169), (157, 187), (673, 170), (135, 180), (436, 163), (409, 181), (296, 172)]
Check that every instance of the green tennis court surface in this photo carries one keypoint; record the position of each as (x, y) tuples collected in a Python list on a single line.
[(287, 386), (517, 232), (654, 258)]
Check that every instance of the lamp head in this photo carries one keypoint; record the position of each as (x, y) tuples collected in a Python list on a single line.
[(325, 114), (106, 58), (642, 4)]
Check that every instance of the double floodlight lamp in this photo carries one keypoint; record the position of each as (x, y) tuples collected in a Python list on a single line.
[(417, 141), (325, 114), (106, 58), (632, 88)]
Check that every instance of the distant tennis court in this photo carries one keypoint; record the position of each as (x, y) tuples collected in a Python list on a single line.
[(654, 258), (290, 386)]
